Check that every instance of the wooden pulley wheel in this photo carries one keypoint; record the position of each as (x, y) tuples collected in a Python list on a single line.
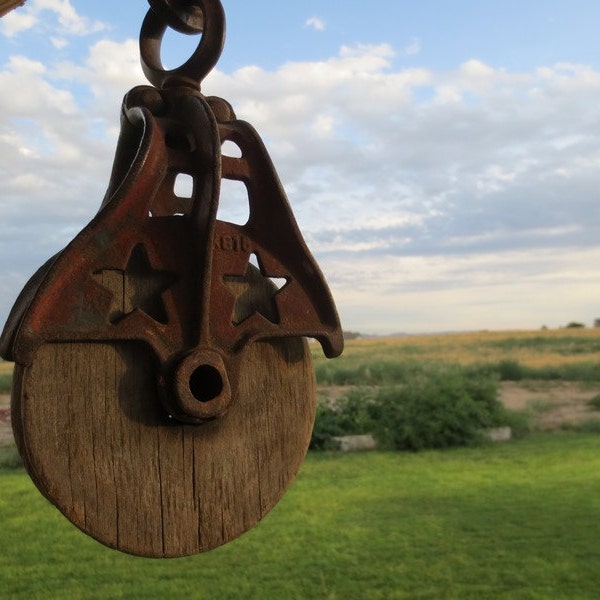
[(163, 395), (98, 443)]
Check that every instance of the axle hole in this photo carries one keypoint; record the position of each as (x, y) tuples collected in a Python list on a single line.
[(206, 383)]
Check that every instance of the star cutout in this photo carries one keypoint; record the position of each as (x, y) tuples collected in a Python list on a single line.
[(255, 293), (139, 286)]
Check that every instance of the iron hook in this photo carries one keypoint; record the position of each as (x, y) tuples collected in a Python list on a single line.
[(206, 55), (180, 15)]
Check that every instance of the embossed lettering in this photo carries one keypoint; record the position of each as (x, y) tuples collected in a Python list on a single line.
[(234, 243)]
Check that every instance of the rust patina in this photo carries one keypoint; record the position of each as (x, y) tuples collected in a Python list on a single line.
[(187, 270)]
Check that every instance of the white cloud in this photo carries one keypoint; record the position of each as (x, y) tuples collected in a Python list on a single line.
[(485, 161), (30, 15), (112, 68), (16, 21), (31, 94), (316, 23), (59, 43), (413, 48), (470, 191), (70, 20)]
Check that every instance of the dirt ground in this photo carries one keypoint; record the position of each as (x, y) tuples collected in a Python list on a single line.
[(5, 429), (552, 404), (549, 404)]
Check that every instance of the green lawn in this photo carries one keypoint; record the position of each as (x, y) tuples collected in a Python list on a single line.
[(520, 520)]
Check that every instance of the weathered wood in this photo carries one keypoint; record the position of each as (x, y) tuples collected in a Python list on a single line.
[(98, 443), (144, 406), (100, 446), (7, 5)]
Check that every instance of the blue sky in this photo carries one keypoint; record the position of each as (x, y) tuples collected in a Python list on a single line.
[(512, 34), (442, 158)]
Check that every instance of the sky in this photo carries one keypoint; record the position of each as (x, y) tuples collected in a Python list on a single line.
[(442, 158)]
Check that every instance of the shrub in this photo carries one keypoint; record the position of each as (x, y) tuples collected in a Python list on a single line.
[(362, 374), (513, 370), (586, 371), (595, 402), (518, 421), (348, 416), (436, 407), (444, 409), (5, 383), (510, 370), (589, 426)]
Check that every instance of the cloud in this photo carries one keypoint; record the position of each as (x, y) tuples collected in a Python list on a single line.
[(433, 199), (507, 290), (70, 22), (413, 48), (416, 164), (316, 23), (59, 43), (16, 21), (57, 146)]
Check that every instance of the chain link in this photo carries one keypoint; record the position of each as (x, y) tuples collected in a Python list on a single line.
[(194, 16), (184, 17)]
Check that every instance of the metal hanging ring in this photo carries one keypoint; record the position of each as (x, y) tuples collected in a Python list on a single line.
[(179, 15), (204, 58)]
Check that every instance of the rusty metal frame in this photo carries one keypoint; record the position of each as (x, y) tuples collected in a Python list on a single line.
[(189, 266)]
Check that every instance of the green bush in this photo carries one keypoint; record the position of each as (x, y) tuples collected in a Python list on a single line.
[(586, 371), (519, 422), (385, 373), (348, 416), (364, 373), (591, 426), (5, 383), (510, 370), (436, 407), (325, 429), (595, 402), (513, 370), (442, 410)]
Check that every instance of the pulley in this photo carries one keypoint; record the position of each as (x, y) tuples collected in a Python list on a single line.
[(163, 395)]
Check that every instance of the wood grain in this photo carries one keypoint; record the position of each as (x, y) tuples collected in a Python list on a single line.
[(7, 5), (99, 445)]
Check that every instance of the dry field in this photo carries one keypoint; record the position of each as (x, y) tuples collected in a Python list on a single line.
[(545, 347), (5, 430), (550, 404)]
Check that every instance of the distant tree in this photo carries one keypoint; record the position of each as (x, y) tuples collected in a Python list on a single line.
[(575, 325), (351, 335)]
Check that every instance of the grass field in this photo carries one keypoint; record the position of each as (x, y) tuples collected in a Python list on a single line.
[(556, 348), (567, 354), (516, 521)]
